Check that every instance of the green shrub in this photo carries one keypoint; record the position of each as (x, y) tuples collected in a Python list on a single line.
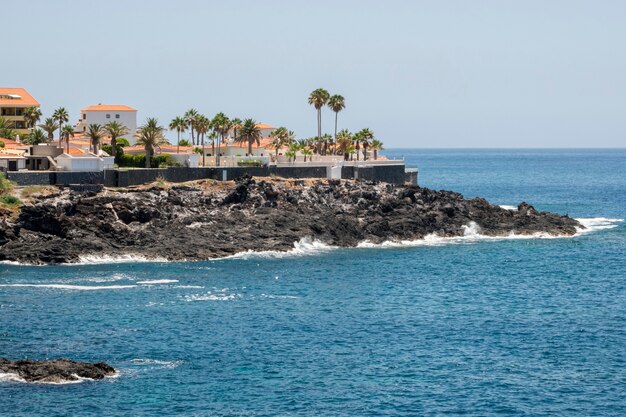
[(1, 144), (184, 142), (139, 161), (5, 185), (249, 163), (10, 200), (122, 142)]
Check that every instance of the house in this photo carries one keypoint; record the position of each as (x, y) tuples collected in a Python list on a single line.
[(183, 155), (83, 161), (13, 101), (105, 113), (12, 160)]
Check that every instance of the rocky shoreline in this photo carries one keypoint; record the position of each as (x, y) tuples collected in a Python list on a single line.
[(209, 219), (55, 371)]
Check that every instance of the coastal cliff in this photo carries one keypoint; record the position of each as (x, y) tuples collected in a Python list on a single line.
[(210, 219)]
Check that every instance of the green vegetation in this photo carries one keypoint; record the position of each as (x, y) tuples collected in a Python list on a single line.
[(31, 117), (67, 132), (179, 125), (115, 130), (32, 190), (62, 117), (10, 201), (184, 142), (250, 133), (139, 161), (318, 99), (49, 126), (95, 134), (150, 135), (1, 144), (6, 129), (249, 163), (36, 137), (5, 185), (336, 104)]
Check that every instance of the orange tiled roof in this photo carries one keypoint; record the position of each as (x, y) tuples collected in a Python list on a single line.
[(263, 126), (75, 151), (109, 107), (162, 148), (25, 100)]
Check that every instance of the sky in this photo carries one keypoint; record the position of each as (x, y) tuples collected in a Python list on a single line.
[(440, 73)]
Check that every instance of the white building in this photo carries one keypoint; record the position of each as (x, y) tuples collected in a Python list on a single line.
[(105, 113), (86, 162)]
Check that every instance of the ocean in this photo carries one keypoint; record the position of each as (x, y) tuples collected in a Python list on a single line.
[(468, 326)]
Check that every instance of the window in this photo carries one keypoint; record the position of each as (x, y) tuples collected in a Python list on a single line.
[(117, 116), (84, 116), (108, 116)]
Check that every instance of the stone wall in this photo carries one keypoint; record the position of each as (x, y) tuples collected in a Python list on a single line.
[(129, 177)]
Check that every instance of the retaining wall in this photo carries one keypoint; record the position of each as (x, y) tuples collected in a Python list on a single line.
[(129, 177)]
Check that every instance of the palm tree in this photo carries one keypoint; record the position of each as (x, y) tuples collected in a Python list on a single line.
[(236, 125), (250, 133), (36, 137), (31, 117), (49, 126), (344, 142), (95, 134), (376, 146), (221, 124), (6, 129), (115, 130), (67, 132), (150, 135), (203, 124), (179, 125), (62, 117), (190, 117), (366, 136), (336, 103), (318, 99), (280, 137)]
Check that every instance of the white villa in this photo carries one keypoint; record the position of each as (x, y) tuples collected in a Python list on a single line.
[(105, 113)]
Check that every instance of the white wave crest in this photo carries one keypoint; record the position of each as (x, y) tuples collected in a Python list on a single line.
[(157, 363), (12, 377), (597, 223), (73, 287), (117, 259), (157, 281), (305, 246), (507, 207)]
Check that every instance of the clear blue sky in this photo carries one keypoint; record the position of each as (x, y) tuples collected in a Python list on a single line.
[(530, 73)]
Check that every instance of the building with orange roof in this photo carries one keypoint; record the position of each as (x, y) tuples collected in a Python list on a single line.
[(105, 113), (13, 101)]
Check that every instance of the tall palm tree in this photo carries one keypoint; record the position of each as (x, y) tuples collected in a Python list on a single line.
[(67, 132), (250, 132), (366, 137), (62, 117), (31, 117), (49, 126), (236, 125), (150, 135), (344, 142), (318, 99), (221, 124), (376, 146), (190, 117), (203, 124), (336, 103), (115, 130), (179, 125), (95, 134)]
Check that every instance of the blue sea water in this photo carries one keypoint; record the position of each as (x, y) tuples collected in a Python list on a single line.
[(530, 327)]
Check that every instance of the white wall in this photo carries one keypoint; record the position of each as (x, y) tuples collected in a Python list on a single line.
[(84, 163), (127, 118), (186, 159), (4, 163)]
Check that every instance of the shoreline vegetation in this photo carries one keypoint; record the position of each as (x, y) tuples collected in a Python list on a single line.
[(209, 219)]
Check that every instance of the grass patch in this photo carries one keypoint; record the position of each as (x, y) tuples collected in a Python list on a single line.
[(10, 201)]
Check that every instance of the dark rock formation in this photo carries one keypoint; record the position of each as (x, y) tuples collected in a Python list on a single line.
[(209, 219), (55, 370)]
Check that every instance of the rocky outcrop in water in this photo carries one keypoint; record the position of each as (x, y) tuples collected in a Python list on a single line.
[(209, 219), (55, 371)]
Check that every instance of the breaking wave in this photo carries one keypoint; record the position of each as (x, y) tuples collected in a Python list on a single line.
[(73, 287), (305, 246), (117, 259), (157, 281), (13, 377)]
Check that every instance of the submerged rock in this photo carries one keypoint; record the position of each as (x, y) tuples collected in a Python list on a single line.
[(208, 219), (56, 370)]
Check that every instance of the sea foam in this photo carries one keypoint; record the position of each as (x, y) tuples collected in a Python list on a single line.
[(157, 281), (117, 259), (13, 377), (72, 287)]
